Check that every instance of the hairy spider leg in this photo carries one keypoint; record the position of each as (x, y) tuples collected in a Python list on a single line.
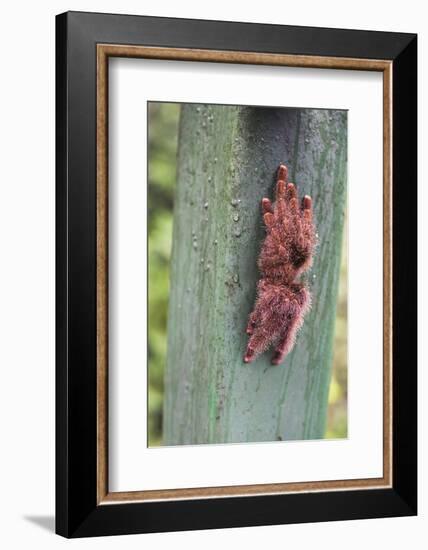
[(296, 312), (258, 342), (307, 219), (252, 322)]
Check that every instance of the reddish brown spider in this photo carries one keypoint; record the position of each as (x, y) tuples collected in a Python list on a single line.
[(286, 253)]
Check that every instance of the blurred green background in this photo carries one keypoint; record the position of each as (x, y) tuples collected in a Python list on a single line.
[(163, 121)]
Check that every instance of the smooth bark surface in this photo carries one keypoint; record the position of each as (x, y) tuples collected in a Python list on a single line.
[(227, 163)]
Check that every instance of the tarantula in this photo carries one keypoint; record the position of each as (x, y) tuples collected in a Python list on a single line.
[(282, 302)]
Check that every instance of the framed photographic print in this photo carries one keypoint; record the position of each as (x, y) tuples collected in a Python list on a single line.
[(236, 274)]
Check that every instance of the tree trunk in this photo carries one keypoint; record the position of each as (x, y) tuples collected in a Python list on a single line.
[(227, 162)]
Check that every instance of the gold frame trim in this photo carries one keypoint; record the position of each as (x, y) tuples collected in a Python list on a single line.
[(104, 51)]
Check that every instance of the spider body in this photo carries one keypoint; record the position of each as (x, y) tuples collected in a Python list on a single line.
[(282, 301)]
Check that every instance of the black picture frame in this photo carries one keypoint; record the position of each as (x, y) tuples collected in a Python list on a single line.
[(78, 513)]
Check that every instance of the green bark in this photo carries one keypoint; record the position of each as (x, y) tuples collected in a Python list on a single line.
[(226, 155)]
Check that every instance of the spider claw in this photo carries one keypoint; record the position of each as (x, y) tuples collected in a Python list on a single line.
[(249, 356), (306, 202), (276, 359), (268, 219), (282, 172), (267, 206), (307, 210)]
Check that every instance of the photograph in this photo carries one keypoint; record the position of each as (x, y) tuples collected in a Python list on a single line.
[(247, 274)]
